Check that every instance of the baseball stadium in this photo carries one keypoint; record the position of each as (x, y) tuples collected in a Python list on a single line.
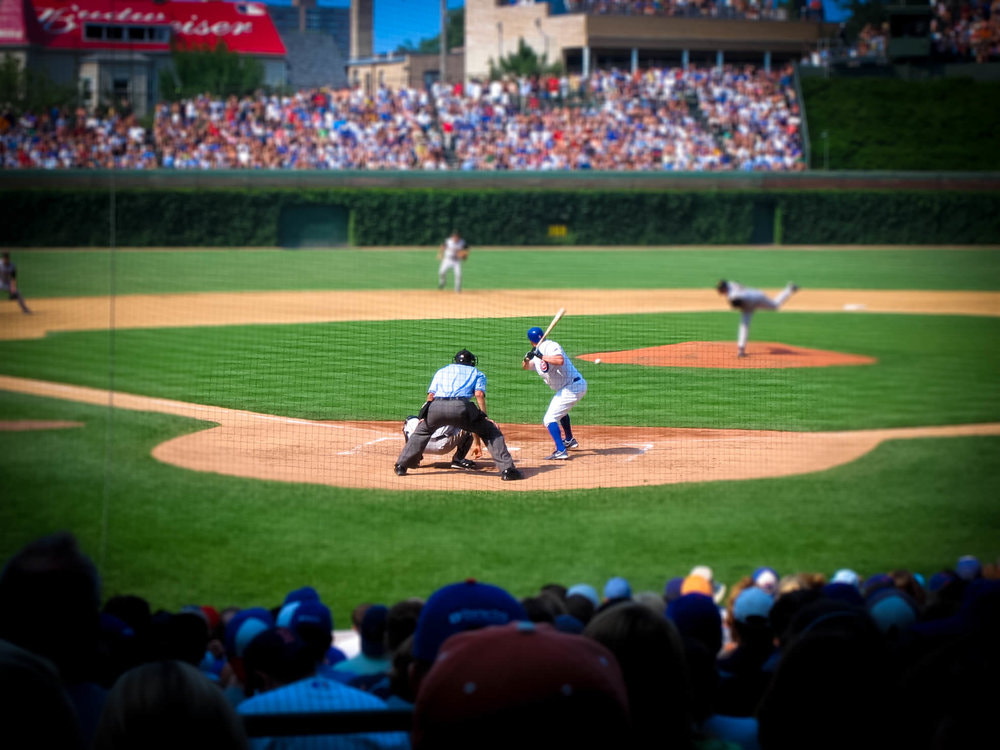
[(706, 368)]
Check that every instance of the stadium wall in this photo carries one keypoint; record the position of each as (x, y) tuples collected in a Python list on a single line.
[(166, 209)]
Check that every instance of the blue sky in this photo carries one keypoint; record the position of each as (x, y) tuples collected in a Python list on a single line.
[(398, 20)]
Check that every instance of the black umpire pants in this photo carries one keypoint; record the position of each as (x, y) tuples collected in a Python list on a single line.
[(461, 413)]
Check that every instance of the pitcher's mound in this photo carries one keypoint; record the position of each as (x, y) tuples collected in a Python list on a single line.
[(722, 354)]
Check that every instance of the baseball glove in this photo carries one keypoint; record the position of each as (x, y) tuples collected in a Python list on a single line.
[(464, 253)]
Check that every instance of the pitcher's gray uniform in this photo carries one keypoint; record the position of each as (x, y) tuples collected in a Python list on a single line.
[(748, 300)]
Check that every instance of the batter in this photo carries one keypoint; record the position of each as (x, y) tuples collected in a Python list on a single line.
[(554, 366)]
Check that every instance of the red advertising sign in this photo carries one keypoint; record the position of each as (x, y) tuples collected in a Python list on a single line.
[(243, 27)]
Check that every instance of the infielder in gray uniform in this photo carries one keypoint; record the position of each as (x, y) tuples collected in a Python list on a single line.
[(748, 300), (449, 402), (446, 439), (8, 281)]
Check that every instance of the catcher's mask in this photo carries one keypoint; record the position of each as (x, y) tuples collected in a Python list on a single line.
[(465, 357), (410, 425)]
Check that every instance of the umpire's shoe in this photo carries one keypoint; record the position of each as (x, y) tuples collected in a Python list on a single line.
[(463, 463), (511, 474), (400, 470)]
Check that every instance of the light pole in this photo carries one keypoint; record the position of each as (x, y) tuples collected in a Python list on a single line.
[(444, 39)]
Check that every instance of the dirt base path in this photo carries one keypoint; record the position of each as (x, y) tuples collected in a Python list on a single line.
[(361, 454), (246, 308)]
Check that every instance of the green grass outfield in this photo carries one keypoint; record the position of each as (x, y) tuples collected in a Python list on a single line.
[(180, 537)]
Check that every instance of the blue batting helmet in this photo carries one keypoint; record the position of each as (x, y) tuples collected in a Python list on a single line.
[(535, 334)]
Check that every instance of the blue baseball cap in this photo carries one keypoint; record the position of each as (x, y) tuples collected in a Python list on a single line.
[(535, 334), (617, 588), (306, 593), (243, 627), (752, 602), (305, 612), (458, 607)]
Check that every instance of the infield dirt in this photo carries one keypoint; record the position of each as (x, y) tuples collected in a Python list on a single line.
[(361, 454)]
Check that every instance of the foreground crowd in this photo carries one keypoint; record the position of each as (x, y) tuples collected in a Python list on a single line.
[(771, 661), (733, 118)]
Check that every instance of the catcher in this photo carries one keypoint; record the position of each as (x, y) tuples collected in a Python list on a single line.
[(453, 254), (445, 439)]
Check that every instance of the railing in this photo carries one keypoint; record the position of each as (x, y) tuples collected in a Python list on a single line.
[(334, 722)]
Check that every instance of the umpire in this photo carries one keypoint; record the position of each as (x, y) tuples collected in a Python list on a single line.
[(449, 403)]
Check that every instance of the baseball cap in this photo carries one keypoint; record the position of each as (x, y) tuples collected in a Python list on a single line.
[(242, 628), (718, 590), (584, 589), (499, 685), (766, 579), (305, 612), (752, 602), (968, 568), (617, 588), (848, 576), (301, 594), (467, 605)]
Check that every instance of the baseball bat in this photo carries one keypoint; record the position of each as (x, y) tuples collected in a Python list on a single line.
[(558, 316)]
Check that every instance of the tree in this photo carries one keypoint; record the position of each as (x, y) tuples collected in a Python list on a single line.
[(524, 62), (454, 35), (217, 71), (24, 90)]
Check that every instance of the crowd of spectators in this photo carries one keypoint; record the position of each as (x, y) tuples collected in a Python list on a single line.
[(731, 118), (962, 30), (768, 661)]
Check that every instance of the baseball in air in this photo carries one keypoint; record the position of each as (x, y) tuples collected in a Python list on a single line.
[(597, 361)]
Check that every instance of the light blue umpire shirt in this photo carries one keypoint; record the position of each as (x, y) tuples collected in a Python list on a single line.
[(457, 381)]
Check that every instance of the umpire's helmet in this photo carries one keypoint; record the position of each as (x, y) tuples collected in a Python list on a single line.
[(535, 334), (465, 357)]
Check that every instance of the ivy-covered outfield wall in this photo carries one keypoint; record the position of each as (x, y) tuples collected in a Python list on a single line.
[(270, 216)]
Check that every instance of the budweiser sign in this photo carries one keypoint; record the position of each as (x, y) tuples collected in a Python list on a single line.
[(243, 27)]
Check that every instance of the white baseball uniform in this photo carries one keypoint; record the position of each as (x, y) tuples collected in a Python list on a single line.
[(451, 260), (564, 379)]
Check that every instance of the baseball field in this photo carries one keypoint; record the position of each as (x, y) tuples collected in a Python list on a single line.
[(219, 426)]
